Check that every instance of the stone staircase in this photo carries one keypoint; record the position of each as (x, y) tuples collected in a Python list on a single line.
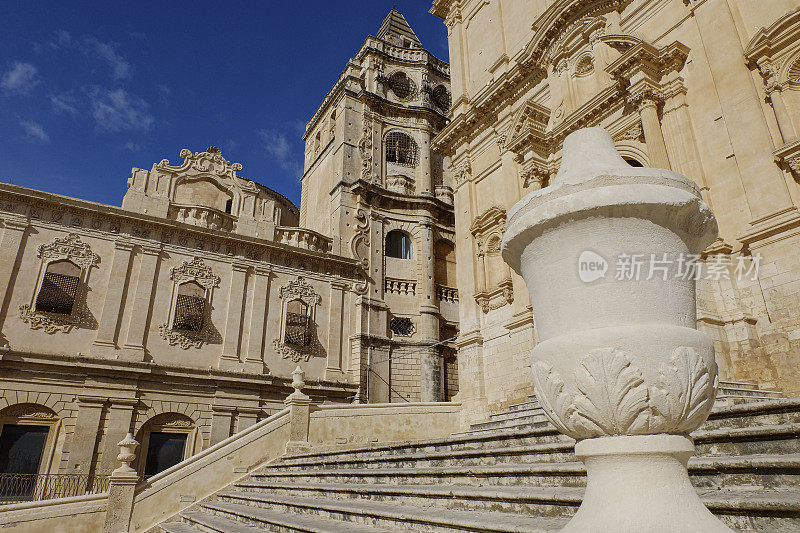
[(511, 473)]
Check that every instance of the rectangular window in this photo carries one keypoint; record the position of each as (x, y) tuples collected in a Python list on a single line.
[(297, 329), (189, 313), (57, 294), (164, 450)]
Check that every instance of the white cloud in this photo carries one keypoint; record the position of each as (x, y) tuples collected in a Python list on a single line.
[(63, 38), (277, 146), (64, 103), (119, 111), (120, 68), (34, 131), (132, 146), (19, 79)]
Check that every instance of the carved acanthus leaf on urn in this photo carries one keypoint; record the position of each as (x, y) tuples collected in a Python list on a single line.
[(611, 396)]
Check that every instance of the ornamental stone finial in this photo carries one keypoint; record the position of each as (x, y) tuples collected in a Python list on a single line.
[(298, 379), (619, 365), (127, 454)]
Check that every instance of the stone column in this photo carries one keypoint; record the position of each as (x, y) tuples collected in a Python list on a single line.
[(233, 323), (620, 366), (299, 406), (254, 361), (13, 237), (429, 358), (426, 176), (122, 489), (134, 348), (105, 342), (775, 98), (651, 125)]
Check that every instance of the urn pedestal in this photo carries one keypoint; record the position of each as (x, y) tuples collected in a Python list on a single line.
[(607, 252)]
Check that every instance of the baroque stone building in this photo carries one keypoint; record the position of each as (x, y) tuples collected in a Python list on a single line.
[(181, 315), (708, 88), (372, 182)]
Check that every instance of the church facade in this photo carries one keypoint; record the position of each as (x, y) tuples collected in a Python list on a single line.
[(708, 88)]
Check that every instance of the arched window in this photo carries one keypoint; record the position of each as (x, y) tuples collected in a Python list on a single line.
[(59, 288), (401, 149), (298, 324), (441, 97), (401, 85), (167, 439), (633, 162), (398, 244), (190, 307)]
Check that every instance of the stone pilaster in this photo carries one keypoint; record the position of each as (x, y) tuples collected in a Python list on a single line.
[(254, 360), (647, 105), (83, 441), (233, 323), (105, 343), (118, 424), (14, 235), (134, 347), (333, 369), (221, 422), (246, 417)]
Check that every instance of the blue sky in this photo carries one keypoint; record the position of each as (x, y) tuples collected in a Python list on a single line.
[(90, 89)]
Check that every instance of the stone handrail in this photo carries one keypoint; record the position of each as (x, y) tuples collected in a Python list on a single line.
[(446, 294), (303, 238)]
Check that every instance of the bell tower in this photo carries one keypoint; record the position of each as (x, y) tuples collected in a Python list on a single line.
[(373, 184)]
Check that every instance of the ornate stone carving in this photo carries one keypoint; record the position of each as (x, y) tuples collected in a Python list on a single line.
[(633, 133), (584, 66), (462, 173), (71, 248), (297, 353), (196, 270), (188, 339), (612, 397), (29, 410), (211, 161), (52, 323), (300, 288), (365, 148), (360, 247)]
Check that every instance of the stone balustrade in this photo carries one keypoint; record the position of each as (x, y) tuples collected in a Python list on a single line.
[(408, 54), (400, 286), (303, 238), (202, 216), (446, 294), (444, 193)]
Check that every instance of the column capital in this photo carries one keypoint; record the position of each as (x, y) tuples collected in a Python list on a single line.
[(123, 244), (15, 223)]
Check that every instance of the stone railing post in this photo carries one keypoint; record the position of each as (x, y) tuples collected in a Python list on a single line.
[(620, 365), (299, 405), (122, 489)]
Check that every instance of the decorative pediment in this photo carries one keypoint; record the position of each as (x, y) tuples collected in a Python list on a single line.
[(71, 248), (197, 271), (640, 56), (494, 217), (302, 289), (783, 33), (209, 162), (529, 125), (560, 23)]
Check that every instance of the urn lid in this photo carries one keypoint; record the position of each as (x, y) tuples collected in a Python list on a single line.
[(595, 181)]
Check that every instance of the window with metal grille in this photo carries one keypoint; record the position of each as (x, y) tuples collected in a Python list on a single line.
[(401, 326), (401, 85), (401, 149), (441, 97), (59, 288), (298, 324), (190, 306)]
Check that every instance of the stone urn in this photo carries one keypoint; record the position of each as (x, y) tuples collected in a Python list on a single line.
[(606, 252)]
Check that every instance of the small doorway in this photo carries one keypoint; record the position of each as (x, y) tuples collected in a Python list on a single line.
[(164, 450), (21, 451)]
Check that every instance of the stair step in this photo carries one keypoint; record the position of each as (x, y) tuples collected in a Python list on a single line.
[(178, 527), (388, 515), (285, 521)]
